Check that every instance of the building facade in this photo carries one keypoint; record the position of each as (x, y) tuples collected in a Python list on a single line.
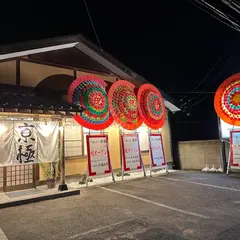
[(43, 76)]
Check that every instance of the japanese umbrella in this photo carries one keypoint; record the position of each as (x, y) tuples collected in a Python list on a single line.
[(227, 100), (151, 106), (89, 92), (123, 105)]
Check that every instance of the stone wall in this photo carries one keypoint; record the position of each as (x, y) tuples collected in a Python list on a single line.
[(195, 155)]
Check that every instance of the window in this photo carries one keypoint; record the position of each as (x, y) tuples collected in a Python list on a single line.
[(143, 137), (73, 139), (86, 132)]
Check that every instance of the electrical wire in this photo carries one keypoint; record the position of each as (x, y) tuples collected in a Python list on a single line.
[(198, 102), (204, 91), (218, 12), (94, 30), (202, 99), (213, 16), (203, 78), (232, 5)]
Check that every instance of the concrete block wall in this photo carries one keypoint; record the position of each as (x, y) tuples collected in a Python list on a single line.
[(195, 155)]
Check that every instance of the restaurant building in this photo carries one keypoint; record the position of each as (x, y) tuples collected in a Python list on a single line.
[(34, 80)]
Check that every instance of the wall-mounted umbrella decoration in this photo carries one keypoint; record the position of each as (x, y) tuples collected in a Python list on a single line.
[(123, 105), (151, 106), (227, 100), (89, 92)]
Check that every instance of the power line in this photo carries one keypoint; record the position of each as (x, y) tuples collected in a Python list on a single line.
[(203, 79), (191, 92), (232, 5), (213, 16), (90, 18), (204, 91), (218, 12), (198, 102)]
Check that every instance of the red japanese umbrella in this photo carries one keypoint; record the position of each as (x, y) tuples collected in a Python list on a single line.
[(227, 100), (151, 106), (123, 105), (89, 92)]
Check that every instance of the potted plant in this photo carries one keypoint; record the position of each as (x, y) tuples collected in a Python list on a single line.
[(50, 181), (50, 174)]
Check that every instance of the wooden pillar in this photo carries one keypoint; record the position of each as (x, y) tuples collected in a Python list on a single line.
[(4, 179), (62, 185)]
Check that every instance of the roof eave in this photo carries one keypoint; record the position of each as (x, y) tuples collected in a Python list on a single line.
[(37, 46)]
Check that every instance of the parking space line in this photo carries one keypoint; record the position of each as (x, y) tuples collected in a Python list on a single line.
[(98, 229), (202, 184), (2, 235), (156, 203)]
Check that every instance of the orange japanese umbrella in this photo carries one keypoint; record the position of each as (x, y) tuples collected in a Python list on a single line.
[(227, 100), (123, 105), (151, 106), (89, 92)]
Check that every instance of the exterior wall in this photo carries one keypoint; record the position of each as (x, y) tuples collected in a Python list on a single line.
[(31, 73), (8, 72), (79, 165), (195, 155)]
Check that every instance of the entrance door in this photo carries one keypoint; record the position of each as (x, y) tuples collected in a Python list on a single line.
[(19, 177)]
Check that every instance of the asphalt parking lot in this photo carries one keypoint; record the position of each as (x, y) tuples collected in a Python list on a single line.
[(182, 205)]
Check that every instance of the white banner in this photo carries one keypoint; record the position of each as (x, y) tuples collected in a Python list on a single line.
[(131, 152), (48, 141), (7, 148), (28, 142), (98, 154), (156, 150), (25, 139), (235, 144)]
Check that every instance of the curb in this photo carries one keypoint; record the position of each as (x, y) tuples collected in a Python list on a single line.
[(40, 198)]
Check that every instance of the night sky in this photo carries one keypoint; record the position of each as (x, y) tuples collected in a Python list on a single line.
[(171, 43)]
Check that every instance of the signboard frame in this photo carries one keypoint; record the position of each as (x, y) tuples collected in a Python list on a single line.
[(109, 169), (152, 164), (124, 163), (231, 163)]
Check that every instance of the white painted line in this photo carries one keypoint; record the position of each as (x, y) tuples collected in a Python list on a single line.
[(2, 235), (202, 184), (98, 229), (156, 203)]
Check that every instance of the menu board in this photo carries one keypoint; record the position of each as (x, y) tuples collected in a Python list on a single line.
[(131, 152), (98, 155), (235, 148), (156, 150)]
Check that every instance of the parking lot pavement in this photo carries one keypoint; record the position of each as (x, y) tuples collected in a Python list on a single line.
[(149, 208), (215, 179)]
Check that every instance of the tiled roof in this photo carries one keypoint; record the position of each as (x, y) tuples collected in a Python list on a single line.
[(33, 102)]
